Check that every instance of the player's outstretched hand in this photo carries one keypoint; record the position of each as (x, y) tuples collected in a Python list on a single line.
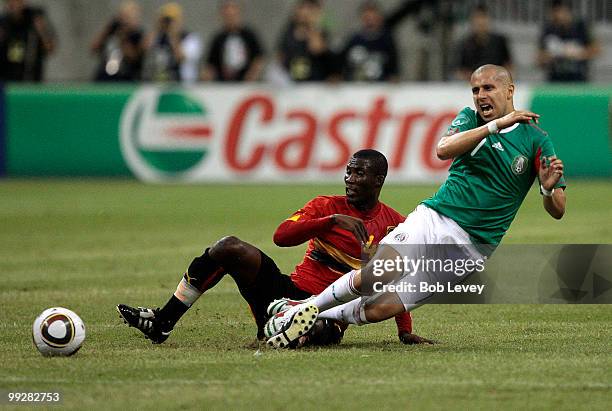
[(352, 224), (412, 339), (551, 171), (517, 116)]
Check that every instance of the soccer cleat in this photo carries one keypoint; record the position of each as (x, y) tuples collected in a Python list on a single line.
[(274, 324), (296, 322), (283, 304), (144, 319)]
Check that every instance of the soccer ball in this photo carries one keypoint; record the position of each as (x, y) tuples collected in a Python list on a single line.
[(58, 331)]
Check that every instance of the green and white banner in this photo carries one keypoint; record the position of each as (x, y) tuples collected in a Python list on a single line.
[(257, 134)]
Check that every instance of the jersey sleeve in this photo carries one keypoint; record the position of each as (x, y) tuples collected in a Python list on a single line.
[(465, 120), (214, 55), (403, 322), (585, 34), (308, 222), (542, 39), (254, 45), (545, 149)]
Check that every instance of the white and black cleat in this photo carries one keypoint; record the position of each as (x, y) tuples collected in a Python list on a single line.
[(144, 319), (299, 321), (283, 304)]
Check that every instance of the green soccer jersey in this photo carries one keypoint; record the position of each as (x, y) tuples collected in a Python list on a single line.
[(487, 185)]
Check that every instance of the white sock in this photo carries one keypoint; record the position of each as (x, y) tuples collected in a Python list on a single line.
[(339, 292), (351, 313), (187, 293)]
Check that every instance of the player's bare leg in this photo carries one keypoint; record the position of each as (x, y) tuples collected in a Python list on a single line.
[(382, 307), (228, 255)]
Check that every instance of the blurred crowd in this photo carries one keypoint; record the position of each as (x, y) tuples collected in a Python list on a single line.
[(303, 52)]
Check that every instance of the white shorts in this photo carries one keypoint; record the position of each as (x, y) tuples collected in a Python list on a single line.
[(423, 236)]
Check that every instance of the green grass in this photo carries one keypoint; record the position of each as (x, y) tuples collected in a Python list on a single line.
[(89, 245)]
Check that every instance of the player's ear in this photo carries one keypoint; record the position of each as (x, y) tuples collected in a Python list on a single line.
[(380, 180), (510, 91)]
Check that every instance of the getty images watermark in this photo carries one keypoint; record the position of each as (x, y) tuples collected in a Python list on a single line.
[(474, 274), (444, 267)]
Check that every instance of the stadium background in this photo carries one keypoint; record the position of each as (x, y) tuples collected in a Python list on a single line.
[(78, 231), (77, 21), (43, 134)]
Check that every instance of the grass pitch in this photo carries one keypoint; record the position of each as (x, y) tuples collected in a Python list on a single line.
[(88, 245)]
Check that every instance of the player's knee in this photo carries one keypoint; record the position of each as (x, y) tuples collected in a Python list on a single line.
[(377, 312), (381, 269), (227, 248)]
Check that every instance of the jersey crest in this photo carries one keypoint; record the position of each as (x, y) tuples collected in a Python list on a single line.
[(519, 164), (400, 237), (451, 131)]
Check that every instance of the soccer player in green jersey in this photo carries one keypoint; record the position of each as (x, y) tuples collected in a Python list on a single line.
[(497, 153)]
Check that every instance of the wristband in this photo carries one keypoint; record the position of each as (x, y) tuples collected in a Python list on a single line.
[(545, 192), (492, 127)]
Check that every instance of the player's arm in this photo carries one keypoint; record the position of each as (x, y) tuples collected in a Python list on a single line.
[(306, 224), (549, 173), (590, 50), (258, 64), (44, 31), (555, 204), (454, 145)]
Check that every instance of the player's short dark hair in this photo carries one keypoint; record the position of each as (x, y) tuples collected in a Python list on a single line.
[(223, 3), (558, 3), (376, 158), (315, 3), (480, 8)]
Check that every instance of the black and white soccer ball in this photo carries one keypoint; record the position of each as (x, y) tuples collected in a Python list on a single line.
[(58, 331)]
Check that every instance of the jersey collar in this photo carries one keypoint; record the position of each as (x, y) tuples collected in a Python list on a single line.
[(367, 215), (480, 122), (509, 129)]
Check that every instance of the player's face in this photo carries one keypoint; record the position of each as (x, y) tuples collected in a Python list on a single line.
[(480, 23), (230, 13), (361, 182), (15, 6), (492, 96), (562, 15), (371, 19)]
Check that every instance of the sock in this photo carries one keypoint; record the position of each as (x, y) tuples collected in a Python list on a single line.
[(351, 313), (203, 273), (183, 298), (339, 292), (172, 312)]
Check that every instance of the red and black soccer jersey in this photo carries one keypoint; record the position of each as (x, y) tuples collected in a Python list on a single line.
[(331, 251)]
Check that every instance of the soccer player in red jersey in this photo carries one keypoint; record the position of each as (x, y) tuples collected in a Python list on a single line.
[(340, 231)]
